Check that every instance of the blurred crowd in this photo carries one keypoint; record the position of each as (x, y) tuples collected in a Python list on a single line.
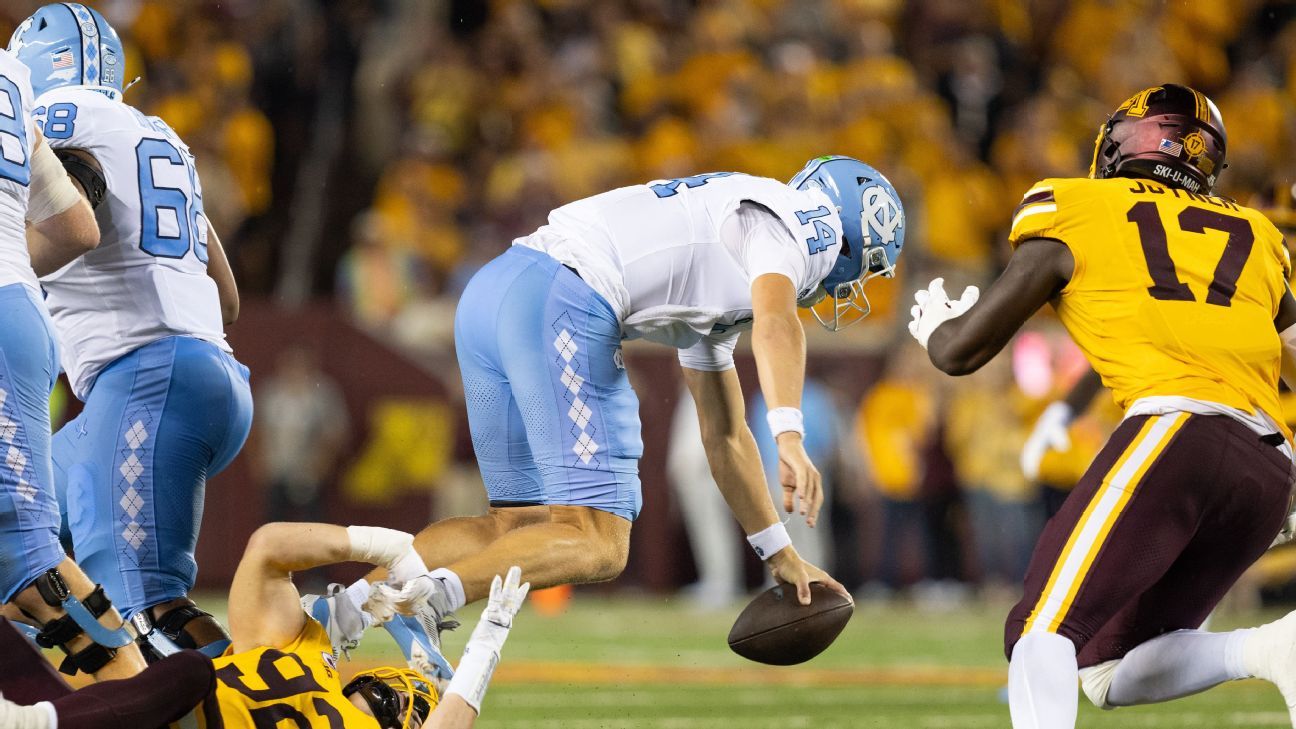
[(479, 117)]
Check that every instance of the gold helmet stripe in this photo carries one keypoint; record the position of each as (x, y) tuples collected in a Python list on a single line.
[(1203, 107)]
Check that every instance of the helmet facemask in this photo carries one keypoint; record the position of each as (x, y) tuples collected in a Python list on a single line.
[(397, 698), (847, 304)]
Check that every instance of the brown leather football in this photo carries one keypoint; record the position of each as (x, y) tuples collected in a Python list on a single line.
[(776, 629)]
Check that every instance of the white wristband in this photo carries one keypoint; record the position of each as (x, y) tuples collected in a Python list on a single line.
[(473, 674), (785, 420), (770, 540), (378, 545)]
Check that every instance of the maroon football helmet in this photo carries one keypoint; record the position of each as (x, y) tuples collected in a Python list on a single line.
[(1169, 133)]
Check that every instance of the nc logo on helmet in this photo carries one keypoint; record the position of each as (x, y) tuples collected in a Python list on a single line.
[(882, 213)]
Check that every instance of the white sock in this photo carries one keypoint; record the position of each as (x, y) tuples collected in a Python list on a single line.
[(454, 587), (38, 716), (1178, 664), (1042, 682), (358, 592)]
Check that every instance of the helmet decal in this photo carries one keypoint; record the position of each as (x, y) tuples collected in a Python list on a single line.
[(882, 213)]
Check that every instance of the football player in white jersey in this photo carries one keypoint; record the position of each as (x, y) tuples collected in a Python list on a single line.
[(689, 263), (44, 224), (140, 323)]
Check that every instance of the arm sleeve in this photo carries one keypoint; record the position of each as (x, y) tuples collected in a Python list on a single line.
[(713, 353)]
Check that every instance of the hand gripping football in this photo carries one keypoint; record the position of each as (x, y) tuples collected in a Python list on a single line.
[(776, 629)]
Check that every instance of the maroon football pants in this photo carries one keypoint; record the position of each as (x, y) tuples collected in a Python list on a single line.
[(1172, 511), (166, 691)]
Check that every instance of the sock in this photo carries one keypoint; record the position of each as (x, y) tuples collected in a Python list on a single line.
[(454, 587), (357, 593), (1178, 664), (1042, 682), (40, 716)]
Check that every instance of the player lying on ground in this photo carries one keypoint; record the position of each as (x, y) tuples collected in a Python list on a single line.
[(1179, 300), (140, 326), (280, 666), (689, 263), (44, 222)]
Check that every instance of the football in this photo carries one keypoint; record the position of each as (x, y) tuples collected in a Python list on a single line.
[(776, 629)]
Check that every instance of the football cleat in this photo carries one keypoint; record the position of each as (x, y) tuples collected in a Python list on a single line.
[(343, 620), (1270, 653), (422, 647)]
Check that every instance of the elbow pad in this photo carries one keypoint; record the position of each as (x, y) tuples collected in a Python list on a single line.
[(51, 190), (91, 179)]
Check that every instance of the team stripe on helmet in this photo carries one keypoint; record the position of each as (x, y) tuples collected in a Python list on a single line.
[(1100, 516), (88, 30), (1203, 107)]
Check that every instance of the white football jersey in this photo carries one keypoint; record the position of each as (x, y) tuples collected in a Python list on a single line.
[(676, 258), (15, 170), (148, 277)]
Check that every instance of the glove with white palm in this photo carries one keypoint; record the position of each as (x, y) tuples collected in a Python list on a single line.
[(934, 307)]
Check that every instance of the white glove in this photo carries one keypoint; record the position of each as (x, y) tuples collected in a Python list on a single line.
[(381, 604), (405, 597), (1050, 433), (481, 655), (933, 307)]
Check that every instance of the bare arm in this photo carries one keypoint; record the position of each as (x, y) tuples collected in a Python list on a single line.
[(61, 238), (218, 268), (778, 342), (265, 607), (1037, 271), (451, 713), (736, 465), (730, 447)]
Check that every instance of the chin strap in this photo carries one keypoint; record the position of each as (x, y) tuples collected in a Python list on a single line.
[(82, 618)]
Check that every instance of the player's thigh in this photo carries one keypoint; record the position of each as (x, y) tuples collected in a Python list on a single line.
[(29, 514), (499, 435), (581, 415), (1125, 524), (1245, 500)]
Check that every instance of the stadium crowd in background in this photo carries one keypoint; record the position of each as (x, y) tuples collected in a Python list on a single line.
[(380, 151)]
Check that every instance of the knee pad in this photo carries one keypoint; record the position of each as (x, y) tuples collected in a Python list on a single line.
[(1097, 680), (82, 618)]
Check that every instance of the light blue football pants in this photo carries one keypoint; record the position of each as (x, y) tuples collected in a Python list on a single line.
[(132, 469), (552, 415), (29, 513)]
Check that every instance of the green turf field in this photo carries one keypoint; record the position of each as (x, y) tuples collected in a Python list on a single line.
[(654, 663)]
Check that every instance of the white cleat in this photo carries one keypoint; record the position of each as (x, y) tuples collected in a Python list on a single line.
[(1270, 653)]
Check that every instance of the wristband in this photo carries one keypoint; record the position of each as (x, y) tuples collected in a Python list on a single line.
[(473, 675), (377, 545), (785, 420), (770, 540)]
